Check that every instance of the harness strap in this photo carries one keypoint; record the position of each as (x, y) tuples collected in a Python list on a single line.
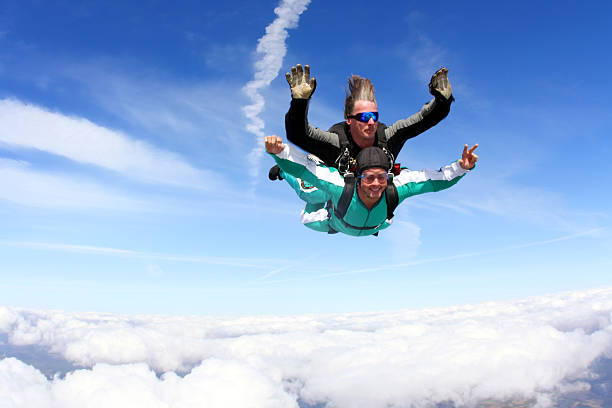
[(392, 197), (346, 224), (329, 207), (343, 162), (347, 195), (381, 139)]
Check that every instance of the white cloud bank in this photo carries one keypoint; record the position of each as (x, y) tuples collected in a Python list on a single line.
[(33, 127), (530, 349)]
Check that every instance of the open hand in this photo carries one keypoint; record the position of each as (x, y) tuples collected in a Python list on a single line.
[(468, 158), (302, 85), (274, 144), (439, 86)]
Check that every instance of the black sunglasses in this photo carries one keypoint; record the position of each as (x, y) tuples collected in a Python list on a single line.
[(365, 116)]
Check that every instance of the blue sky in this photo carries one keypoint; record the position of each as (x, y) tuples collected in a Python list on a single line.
[(129, 181)]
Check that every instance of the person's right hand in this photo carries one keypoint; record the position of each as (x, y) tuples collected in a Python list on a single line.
[(274, 144), (302, 86)]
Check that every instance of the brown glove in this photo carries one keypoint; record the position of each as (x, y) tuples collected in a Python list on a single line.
[(302, 86), (439, 85)]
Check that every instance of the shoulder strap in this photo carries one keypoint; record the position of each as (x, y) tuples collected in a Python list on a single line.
[(347, 195), (343, 161), (340, 129), (381, 139), (392, 197)]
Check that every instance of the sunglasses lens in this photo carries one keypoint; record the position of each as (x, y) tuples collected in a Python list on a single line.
[(369, 179), (366, 116)]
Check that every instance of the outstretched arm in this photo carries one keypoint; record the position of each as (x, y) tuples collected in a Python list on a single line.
[(324, 145), (429, 115), (411, 183), (298, 165)]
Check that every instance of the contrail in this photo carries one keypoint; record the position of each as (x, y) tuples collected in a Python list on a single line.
[(272, 49)]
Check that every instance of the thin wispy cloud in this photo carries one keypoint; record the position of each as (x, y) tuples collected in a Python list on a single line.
[(78, 139), (423, 54), (532, 205), (188, 113), (257, 263), (426, 58), (502, 195), (423, 261), (592, 232), (271, 50), (21, 184)]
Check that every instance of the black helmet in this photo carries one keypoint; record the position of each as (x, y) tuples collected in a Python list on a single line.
[(372, 157)]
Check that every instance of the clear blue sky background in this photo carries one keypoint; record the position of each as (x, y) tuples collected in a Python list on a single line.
[(129, 182)]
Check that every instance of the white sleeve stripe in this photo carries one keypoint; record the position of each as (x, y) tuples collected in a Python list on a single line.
[(321, 172), (319, 215), (447, 173)]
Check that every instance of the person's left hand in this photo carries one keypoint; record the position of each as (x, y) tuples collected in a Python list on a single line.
[(274, 144), (468, 158), (439, 86)]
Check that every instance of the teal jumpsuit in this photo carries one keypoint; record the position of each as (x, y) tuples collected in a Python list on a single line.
[(358, 220)]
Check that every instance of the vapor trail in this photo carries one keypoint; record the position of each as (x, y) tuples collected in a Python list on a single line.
[(271, 50)]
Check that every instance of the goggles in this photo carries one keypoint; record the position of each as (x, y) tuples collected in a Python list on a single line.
[(369, 178), (365, 116)]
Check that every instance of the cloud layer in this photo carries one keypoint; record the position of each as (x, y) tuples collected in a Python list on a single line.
[(533, 348)]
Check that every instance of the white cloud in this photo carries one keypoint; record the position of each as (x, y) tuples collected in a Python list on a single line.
[(33, 127), (22, 185), (212, 384), (531, 348)]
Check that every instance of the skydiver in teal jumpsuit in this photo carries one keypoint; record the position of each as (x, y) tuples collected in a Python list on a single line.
[(366, 213)]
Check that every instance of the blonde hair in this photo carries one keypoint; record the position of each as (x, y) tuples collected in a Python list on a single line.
[(360, 89)]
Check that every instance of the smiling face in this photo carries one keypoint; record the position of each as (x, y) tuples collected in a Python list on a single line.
[(363, 134), (372, 185)]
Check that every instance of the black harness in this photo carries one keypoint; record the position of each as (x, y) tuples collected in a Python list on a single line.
[(346, 164), (350, 184)]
